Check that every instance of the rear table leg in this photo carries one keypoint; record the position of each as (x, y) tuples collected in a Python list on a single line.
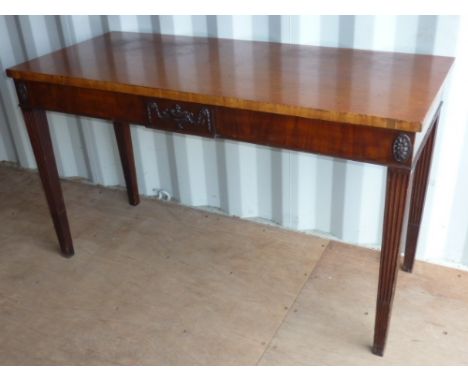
[(124, 142), (418, 196)]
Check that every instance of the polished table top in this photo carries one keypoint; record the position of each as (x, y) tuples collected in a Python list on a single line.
[(380, 89)]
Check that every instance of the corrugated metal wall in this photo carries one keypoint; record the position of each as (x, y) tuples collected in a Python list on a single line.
[(300, 191)]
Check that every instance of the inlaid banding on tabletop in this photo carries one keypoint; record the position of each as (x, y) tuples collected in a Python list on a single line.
[(334, 95)]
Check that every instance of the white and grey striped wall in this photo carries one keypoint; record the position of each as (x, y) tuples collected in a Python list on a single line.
[(306, 192)]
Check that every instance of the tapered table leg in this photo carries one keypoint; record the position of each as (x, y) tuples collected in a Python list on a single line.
[(124, 142), (418, 195), (397, 186), (38, 130)]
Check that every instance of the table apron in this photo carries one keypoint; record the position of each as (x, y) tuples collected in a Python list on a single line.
[(341, 140)]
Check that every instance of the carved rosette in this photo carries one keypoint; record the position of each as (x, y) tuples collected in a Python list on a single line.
[(402, 148), (179, 116), (22, 91)]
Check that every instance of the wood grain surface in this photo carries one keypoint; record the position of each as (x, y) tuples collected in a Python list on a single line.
[(380, 89)]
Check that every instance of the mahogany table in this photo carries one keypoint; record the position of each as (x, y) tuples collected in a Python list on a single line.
[(367, 106)]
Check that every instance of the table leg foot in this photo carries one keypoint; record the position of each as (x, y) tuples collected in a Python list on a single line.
[(378, 350), (63, 233), (397, 186)]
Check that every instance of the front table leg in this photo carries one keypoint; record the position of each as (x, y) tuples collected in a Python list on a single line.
[(38, 130), (397, 186)]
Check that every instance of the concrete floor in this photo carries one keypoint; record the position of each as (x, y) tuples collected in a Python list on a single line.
[(161, 284)]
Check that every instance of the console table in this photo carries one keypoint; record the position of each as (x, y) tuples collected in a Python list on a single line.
[(376, 107)]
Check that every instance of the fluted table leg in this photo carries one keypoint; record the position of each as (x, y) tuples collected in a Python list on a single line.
[(397, 186), (418, 196)]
